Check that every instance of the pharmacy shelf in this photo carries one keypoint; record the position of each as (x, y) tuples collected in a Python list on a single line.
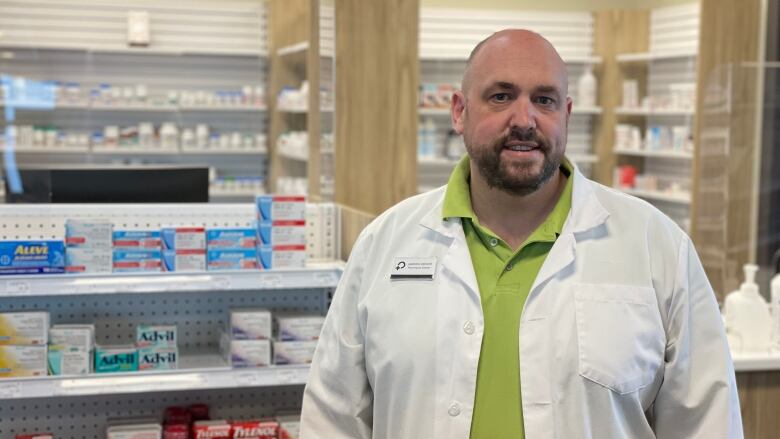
[(120, 150), (586, 110), (293, 49), (50, 150), (197, 372), (246, 195), (230, 151), (292, 110), (108, 49), (437, 162), (682, 198), (685, 155), (424, 111), (148, 108), (292, 155), (319, 275), (756, 362), (131, 151), (583, 158), (234, 108), (650, 56), (621, 111), (141, 108)]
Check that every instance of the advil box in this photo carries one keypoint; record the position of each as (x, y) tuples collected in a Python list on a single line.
[(36, 436), (254, 429)]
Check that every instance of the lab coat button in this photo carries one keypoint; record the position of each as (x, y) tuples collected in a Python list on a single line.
[(468, 327), (493, 242), (454, 409), (509, 267)]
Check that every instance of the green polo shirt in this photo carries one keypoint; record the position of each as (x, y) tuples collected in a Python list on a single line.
[(505, 278)]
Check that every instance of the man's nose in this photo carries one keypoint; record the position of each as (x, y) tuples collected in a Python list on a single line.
[(523, 114)]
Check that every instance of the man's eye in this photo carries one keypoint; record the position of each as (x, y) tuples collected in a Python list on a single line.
[(500, 97), (544, 100)]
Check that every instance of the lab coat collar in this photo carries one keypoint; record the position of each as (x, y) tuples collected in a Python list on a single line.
[(586, 212)]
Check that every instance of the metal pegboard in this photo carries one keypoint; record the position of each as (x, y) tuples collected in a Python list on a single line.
[(199, 316), (86, 417)]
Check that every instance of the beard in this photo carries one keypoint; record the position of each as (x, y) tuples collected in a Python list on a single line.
[(516, 178)]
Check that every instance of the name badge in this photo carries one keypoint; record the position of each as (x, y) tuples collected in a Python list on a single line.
[(413, 268)]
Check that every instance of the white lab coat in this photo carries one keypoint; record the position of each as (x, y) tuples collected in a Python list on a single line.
[(620, 336)]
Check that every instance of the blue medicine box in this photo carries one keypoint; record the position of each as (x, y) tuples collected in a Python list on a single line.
[(32, 257)]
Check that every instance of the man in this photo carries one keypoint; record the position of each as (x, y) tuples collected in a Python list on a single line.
[(521, 300)]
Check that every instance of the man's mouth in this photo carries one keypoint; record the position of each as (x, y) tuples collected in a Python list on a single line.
[(521, 146)]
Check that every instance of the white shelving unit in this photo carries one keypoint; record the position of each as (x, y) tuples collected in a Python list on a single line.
[(654, 56), (670, 62), (200, 372), (219, 48), (683, 155), (676, 198), (150, 108), (293, 49), (620, 111), (197, 303)]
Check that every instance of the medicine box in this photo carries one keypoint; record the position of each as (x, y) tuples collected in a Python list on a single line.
[(24, 328), (289, 426), (280, 207), (116, 359), (94, 234), (184, 260), (183, 238), (294, 352), (32, 257), (161, 336), (137, 260), (231, 238), (140, 431), (69, 360), (22, 361), (245, 353), (89, 260), (157, 358), (236, 259), (74, 335), (278, 233), (250, 324), (137, 239), (299, 327), (282, 256)]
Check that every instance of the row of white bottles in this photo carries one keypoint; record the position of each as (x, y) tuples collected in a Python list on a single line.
[(752, 324)]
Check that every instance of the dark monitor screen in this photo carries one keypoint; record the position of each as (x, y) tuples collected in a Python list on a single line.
[(142, 184)]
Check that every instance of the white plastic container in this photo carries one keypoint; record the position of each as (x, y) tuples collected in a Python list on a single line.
[(169, 136), (586, 88), (747, 318), (775, 301)]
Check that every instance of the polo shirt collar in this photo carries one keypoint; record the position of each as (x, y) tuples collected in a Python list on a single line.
[(586, 212)]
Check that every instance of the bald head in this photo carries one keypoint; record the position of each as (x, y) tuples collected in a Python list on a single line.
[(508, 41)]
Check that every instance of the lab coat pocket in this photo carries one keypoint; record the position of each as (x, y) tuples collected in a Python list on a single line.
[(620, 335)]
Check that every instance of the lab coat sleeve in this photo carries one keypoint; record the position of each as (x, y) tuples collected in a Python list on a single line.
[(337, 401), (698, 396)]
